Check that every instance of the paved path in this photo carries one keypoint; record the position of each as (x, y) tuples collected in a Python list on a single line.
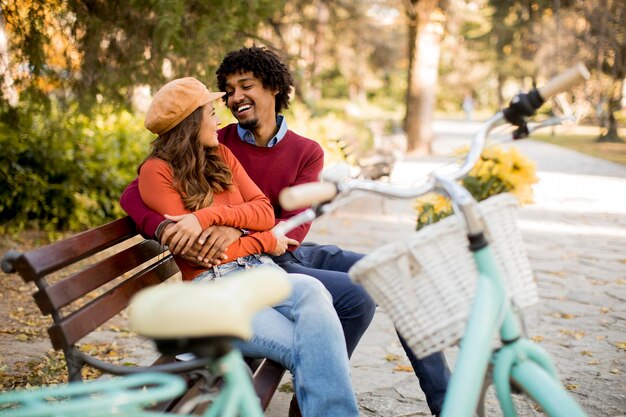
[(575, 235)]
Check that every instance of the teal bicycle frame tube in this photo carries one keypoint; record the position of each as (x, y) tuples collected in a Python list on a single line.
[(475, 353), (237, 396), (118, 396), (545, 390), (521, 361)]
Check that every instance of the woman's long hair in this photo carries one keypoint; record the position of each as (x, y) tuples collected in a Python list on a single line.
[(198, 171)]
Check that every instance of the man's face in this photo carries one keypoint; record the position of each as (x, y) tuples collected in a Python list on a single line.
[(249, 101)]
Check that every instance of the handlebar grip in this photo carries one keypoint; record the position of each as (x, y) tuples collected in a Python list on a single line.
[(306, 195), (564, 81), (7, 261)]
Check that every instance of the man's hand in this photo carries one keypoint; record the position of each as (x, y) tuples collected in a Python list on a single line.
[(194, 260), (282, 242), (180, 236)]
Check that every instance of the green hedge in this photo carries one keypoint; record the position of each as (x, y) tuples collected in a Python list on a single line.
[(61, 170)]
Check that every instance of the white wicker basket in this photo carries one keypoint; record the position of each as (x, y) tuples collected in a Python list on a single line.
[(426, 283)]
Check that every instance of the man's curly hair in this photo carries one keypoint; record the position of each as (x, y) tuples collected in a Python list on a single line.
[(265, 65)]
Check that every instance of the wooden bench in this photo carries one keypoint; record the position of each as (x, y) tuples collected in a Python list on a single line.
[(81, 294), (374, 165)]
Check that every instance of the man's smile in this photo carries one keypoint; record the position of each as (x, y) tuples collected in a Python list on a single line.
[(243, 108)]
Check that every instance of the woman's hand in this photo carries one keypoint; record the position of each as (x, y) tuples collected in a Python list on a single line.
[(180, 237), (282, 242)]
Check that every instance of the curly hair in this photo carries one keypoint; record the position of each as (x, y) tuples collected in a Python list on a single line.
[(265, 65), (198, 171)]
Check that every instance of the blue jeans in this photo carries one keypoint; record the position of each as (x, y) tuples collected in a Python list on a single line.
[(355, 309), (330, 265), (303, 334)]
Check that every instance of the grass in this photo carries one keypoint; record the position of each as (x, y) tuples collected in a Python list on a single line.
[(583, 140)]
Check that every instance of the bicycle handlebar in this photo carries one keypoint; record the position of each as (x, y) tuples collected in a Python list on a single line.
[(564, 81), (305, 195), (522, 106)]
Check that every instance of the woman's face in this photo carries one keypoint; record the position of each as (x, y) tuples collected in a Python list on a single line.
[(207, 134)]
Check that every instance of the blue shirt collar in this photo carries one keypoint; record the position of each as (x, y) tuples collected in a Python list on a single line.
[(247, 136)]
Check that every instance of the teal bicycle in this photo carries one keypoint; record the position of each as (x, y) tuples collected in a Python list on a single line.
[(425, 284), (170, 314)]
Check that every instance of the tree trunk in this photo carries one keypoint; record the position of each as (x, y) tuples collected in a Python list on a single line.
[(612, 134), (321, 27), (9, 93), (425, 31)]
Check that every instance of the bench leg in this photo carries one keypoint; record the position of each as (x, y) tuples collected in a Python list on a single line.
[(74, 365)]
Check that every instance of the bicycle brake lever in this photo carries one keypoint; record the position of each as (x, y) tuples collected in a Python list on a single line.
[(521, 132), (552, 121)]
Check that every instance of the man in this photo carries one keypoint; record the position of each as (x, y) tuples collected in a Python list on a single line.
[(257, 86)]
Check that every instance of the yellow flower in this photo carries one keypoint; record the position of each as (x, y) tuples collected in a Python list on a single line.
[(498, 170), (442, 204)]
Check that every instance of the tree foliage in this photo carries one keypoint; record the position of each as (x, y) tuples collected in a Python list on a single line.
[(62, 170), (70, 144), (100, 49), (75, 63)]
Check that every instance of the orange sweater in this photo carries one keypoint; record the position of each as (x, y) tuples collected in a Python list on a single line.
[(243, 205)]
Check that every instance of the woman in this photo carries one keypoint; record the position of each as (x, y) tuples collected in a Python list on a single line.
[(189, 172)]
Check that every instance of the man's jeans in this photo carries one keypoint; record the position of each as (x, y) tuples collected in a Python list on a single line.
[(304, 335), (355, 308)]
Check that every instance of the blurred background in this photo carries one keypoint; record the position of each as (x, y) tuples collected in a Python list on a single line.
[(371, 76)]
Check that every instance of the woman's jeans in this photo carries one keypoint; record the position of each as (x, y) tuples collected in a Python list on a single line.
[(303, 334)]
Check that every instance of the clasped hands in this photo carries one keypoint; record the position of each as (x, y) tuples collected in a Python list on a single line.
[(208, 247)]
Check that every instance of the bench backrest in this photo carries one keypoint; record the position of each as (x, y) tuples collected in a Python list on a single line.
[(118, 274)]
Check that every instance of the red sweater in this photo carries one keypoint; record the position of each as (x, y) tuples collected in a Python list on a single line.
[(294, 160)]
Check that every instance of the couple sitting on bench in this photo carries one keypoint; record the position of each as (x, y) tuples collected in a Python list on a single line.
[(219, 220)]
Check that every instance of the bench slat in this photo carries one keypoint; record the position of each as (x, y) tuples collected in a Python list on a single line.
[(36, 263), (75, 286), (82, 322)]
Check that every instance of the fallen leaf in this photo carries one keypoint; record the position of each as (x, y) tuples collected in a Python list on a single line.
[(559, 315), (390, 357), (586, 353), (403, 368), (604, 310), (571, 387), (594, 362), (614, 371), (286, 387), (576, 334), (537, 339), (22, 337), (621, 345)]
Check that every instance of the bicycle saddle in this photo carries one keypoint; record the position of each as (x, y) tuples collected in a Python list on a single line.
[(194, 310)]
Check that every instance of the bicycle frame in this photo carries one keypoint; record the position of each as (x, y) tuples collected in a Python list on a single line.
[(122, 396), (519, 360), (237, 396)]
